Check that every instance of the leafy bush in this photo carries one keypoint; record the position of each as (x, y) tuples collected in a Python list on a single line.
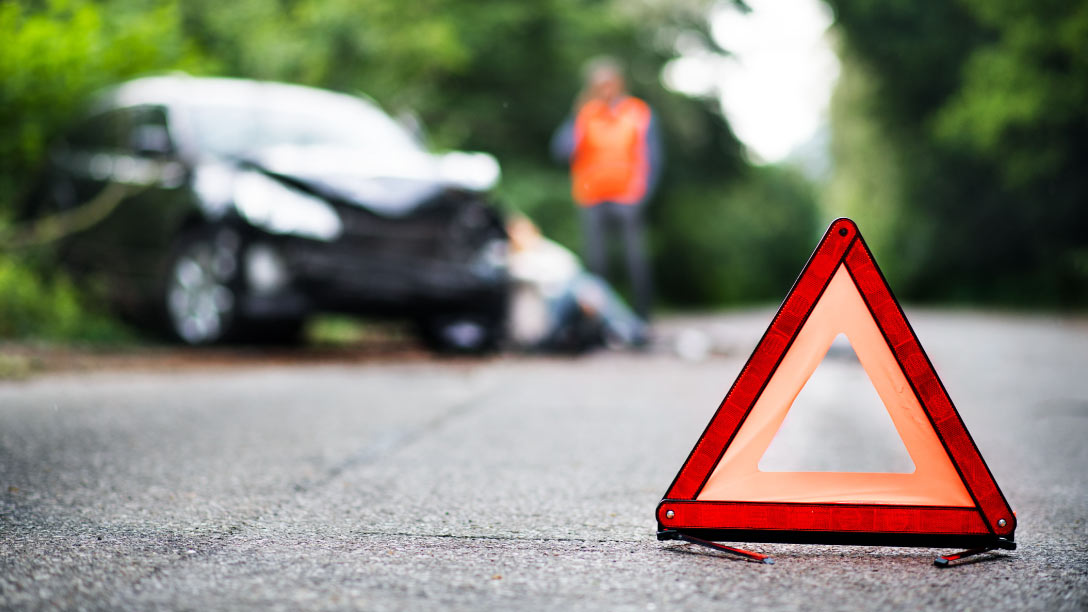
[(40, 306), (54, 56), (959, 133), (743, 243)]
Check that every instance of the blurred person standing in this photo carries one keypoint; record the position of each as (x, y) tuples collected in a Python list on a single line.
[(614, 149)]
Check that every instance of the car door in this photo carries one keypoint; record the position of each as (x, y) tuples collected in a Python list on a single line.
[(126, 160)]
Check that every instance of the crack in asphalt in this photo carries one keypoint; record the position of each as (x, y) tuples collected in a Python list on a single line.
[(390, 442), (373, 451), (500, 538)]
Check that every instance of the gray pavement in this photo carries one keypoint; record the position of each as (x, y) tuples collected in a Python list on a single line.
[(511, 482)]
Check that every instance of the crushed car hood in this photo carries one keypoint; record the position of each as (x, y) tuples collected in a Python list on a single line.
[(387, 183)]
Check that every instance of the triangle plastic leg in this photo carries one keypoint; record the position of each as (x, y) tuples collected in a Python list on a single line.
[(747, 555), (946, 560)]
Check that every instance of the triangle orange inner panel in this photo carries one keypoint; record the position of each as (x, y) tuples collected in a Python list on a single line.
[(949, 499)]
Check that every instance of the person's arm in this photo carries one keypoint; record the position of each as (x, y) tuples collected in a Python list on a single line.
[(563, 141), (655, 153)]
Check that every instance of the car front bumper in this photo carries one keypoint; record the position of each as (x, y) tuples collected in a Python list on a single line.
[(342, 278)]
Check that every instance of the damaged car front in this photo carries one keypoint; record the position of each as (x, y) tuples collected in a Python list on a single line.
[(292, 201)]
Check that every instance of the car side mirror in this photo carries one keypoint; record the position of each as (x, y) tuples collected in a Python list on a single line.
[(151, 141)]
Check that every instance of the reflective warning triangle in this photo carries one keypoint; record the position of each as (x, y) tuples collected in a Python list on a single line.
[(950, 499)]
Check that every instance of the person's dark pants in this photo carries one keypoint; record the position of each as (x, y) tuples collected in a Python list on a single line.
[(597, 221)]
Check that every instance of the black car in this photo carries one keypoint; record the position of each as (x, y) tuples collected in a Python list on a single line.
[(249, 205)]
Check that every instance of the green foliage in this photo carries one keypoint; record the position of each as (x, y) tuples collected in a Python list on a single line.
[(54, 56), (542, 191), (41, 306), (1031, 74), (967, 131), (497, 76), (743, 243), (868, 182)]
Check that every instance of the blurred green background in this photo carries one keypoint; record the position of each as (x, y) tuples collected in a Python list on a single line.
[(959, 129)]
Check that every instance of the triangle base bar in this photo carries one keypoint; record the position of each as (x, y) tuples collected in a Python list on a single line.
[(800, 523), (866, 518), (907, 540)]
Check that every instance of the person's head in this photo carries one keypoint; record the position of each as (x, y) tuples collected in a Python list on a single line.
[(604, 79)]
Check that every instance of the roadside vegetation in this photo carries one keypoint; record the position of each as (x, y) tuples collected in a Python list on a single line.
[(38, 302), (960, 135)]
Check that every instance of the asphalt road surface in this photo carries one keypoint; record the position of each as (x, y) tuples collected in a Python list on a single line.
[(506, 483)]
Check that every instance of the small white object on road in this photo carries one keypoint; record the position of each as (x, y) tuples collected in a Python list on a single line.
[(693, 345)]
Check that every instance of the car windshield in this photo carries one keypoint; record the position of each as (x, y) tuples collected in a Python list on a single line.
[(226, 129)]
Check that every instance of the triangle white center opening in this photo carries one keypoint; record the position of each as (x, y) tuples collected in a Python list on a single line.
[(838, 423), (839, 309)]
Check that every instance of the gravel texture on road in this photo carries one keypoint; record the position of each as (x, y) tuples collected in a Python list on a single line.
[(500, 483)]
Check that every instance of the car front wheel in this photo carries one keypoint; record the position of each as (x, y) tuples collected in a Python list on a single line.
[(200, 289)]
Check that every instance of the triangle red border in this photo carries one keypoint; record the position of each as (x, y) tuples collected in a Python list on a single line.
[(990, 519)]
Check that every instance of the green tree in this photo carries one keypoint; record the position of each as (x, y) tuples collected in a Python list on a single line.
[(55, 55), (984, 108)]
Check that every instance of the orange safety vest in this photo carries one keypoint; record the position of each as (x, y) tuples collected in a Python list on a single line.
[(610, 162)]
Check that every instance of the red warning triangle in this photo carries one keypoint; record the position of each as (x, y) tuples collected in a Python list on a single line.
[(950, 499)]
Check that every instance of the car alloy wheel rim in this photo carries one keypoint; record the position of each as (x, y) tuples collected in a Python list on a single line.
[(199, 300)]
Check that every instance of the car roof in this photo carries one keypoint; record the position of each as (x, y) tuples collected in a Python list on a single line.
[(175, 90)]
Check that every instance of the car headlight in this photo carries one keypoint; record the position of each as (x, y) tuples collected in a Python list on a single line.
[(270, 205)]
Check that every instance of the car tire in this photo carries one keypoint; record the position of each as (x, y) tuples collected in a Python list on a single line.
[(202, 287)]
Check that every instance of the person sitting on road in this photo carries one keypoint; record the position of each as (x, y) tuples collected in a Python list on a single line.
[(556, 305)]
